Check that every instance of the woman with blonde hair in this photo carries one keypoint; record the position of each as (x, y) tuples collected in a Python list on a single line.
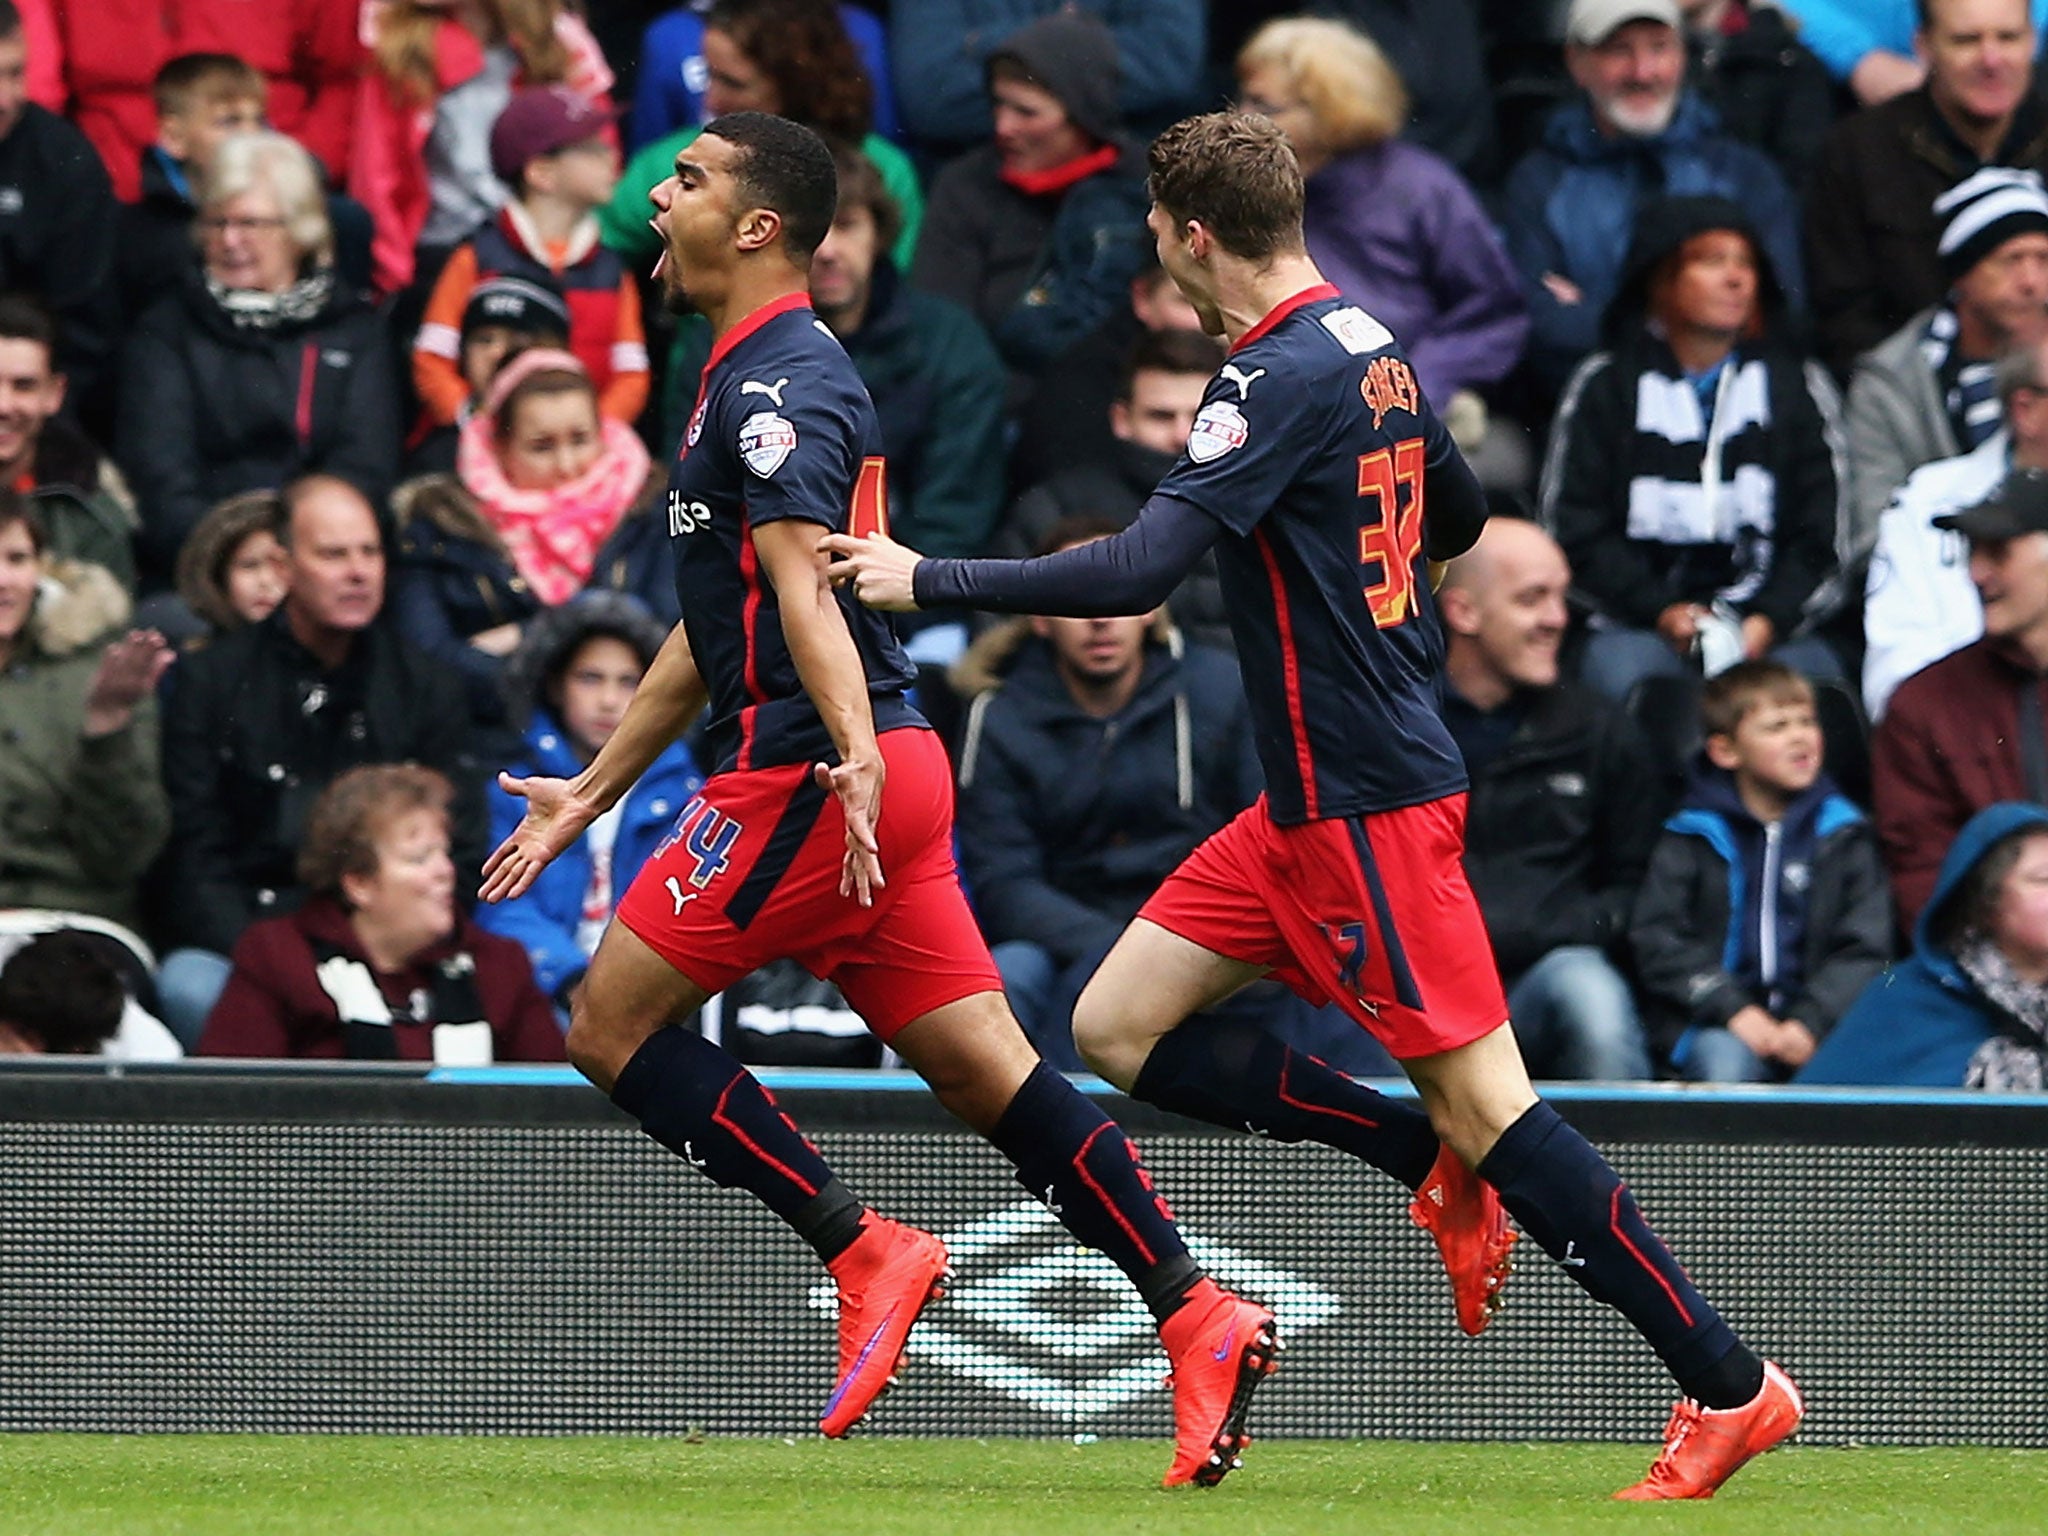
[(440, 73), (261, 365), (1391, 224), (380, 964)]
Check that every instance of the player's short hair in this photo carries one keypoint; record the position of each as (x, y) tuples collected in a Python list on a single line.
[(1234, 174), (23, 318), (861, 185), (17, 508), (61, 989), (193, 79), (1347, 84), (354, 811), (1729, 696), (268, 161), (1077, 528), (10, 20), (786, 168), (1170, 351)]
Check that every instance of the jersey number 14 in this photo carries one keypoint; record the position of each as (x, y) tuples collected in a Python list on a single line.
[(1390, 530)]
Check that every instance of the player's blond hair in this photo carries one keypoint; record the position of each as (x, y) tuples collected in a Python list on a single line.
[(1234, 173), (1348, 85)]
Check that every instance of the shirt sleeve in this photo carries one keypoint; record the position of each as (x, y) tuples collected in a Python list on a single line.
[(1251, 439), (795, 441), (1128, 573)]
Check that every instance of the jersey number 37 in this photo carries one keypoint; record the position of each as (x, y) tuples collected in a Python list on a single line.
[(1390, 529)]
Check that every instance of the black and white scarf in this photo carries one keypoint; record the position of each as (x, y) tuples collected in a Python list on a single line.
[(253, 309), (1701, 475), (2015, 1059)]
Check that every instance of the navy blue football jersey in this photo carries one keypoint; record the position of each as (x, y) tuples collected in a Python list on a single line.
[(1312, 447), (783, 428)]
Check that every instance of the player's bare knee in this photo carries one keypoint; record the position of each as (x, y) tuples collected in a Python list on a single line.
[(599, 1044), (1103, 1036)]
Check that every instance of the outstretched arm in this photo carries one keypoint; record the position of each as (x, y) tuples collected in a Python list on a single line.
[(558, 811), (828, 664), (1129, 572)]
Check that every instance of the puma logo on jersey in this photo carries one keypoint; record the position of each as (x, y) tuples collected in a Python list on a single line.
[(678, 895), (1243, 381), (772, 391)]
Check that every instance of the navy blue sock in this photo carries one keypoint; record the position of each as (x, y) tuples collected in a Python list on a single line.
[(1575, 1206), (1234, 1074), (698, 1101), (1079, 1162)]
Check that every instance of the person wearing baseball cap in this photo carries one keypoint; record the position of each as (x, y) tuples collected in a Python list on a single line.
[(557, 153), (1633, 133), (1971, 730)]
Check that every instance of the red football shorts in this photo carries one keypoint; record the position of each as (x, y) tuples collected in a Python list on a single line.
[(750, 874), (1372, 913)]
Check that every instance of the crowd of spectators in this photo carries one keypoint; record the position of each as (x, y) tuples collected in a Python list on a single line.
[(332, 411)]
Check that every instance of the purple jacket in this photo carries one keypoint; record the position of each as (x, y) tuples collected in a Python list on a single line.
[(1397, 229)]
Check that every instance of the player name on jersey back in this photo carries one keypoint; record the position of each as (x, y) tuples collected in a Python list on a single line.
[(1312, 447)]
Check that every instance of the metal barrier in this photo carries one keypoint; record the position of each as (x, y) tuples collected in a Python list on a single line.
[(210, 1249)]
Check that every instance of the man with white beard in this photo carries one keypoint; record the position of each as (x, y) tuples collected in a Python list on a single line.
[(1633, 134)]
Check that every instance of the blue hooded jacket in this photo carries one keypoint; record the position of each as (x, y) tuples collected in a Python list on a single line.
[(1919, 1023), (544, 919), (1792, 917), (1570, 208)]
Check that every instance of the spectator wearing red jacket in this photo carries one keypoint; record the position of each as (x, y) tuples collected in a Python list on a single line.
[(422, 154), (112, 49)]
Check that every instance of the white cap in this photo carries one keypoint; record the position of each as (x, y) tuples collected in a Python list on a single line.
[(1592, 22)]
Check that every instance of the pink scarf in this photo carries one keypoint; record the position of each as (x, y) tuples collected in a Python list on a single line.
[(553, 536)]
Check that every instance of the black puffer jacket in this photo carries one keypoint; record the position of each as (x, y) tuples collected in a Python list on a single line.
[(256, 728), (1068, 822), (208, 409), (1559, 825)]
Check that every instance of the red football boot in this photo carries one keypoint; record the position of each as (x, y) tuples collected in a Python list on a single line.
[(1461, 1211), (885, 1280), (1221, 1347), (1704, 1447)]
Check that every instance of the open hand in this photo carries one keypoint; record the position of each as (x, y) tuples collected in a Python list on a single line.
[(129, 671), (880, 570), (555, 817), (859, 788)]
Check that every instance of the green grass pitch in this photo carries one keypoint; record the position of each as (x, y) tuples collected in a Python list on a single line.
[(64, 1485)]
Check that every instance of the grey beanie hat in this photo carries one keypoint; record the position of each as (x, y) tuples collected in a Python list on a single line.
[(1073, 55)]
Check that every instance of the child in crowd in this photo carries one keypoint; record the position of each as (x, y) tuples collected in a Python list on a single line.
[(552, 149), (202, 99), (1765, 909), (568, 686), (440, 74), (233, 570), (504, 317)]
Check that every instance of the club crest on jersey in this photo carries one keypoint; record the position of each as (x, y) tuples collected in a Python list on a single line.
[(766, 440), (1219, 429), (696, 425), (1389, 385)]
